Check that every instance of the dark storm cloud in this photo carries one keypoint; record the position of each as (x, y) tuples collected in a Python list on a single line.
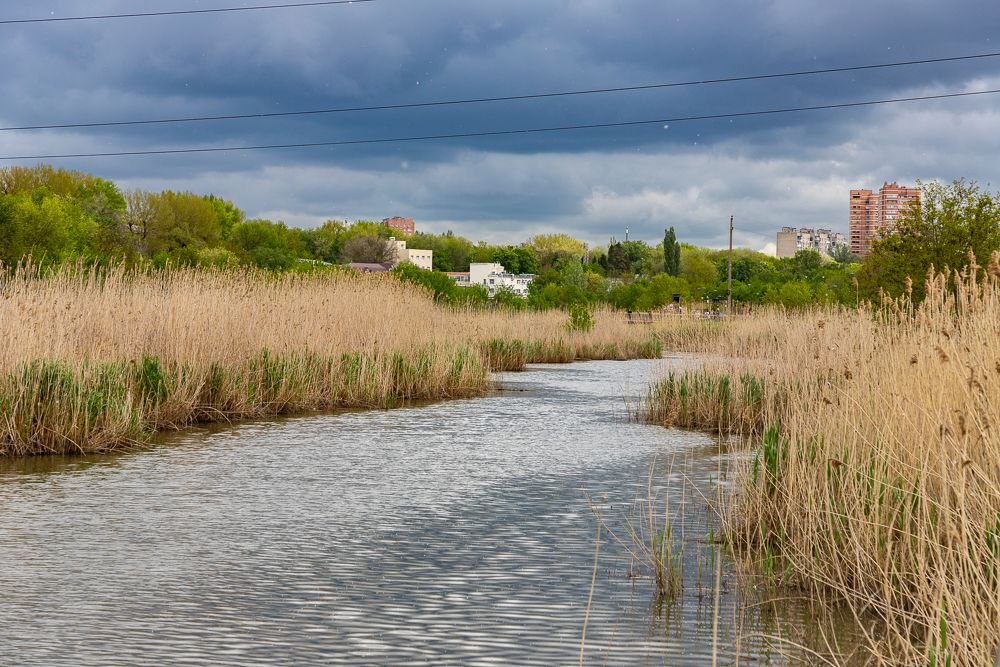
[(420, 50)]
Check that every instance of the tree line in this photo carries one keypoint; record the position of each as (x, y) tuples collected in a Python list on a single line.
[(55, 215)]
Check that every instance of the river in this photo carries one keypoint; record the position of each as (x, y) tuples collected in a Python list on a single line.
[(459, 532)]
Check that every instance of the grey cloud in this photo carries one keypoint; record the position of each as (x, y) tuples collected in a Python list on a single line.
[(586, 183)]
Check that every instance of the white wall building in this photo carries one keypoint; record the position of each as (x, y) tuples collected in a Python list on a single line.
[(422, 258), (479, 271), (493, 277)]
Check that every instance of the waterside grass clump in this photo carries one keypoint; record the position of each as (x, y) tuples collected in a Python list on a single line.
[(875, 465), (101, 359)]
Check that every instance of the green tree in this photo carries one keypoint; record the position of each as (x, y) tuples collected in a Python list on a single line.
[(554, 250), (103, 201), (640, 257), (368, 250), (950, 222), (50, 228), (227, 214), (325, 242), (671, 253), (842, 255), (794, 294), (698, 270), (618, 260), (573, 275), (806, 263), (181, 222), (269, 245)]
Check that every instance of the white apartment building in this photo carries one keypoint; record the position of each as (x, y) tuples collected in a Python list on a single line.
[(823, 241), (493, 277)]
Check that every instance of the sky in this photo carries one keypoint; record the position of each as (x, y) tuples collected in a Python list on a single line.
[(771, 171)]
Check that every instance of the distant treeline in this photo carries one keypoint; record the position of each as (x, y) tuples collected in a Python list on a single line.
[(55, 216)]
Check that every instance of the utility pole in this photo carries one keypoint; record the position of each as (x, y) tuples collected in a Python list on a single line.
[(729, 300)]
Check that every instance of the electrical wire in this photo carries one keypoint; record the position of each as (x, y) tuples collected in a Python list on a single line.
[(498, 133), (506, 98), (180, 12)]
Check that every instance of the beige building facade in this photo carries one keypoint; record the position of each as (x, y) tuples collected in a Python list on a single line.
[(421, 258)]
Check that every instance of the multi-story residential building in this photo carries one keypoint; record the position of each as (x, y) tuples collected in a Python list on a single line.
[(871, 213), (823, 241), (788, 242), (403, 225), (493, 277)]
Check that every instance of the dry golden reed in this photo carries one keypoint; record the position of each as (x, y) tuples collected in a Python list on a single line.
[(876, 466), (98, 360)]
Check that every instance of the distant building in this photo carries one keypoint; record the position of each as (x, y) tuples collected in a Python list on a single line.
[(461, 278), (871, 213), (403, 225), (422, 258), (823, 241), (493, 277), (788, 242), (480, 271)]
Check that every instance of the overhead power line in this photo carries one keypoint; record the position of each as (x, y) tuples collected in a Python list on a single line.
[(506, 98), (180, 12), (499, 133)]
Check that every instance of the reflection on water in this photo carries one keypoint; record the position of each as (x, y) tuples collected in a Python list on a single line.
[(454, 533)]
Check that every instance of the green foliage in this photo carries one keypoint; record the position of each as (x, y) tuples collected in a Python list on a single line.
[(698, 269), (554, 250), (56, 216), (50, 228), (368, 249), (671, 253), (580, 318), (807, 263), (451, 253), (842, 254), (505, 297), (227, 214), (617, 261), (950, 222), (444, 288), (266, 244), (441, 285), (181, 222), (516, 259)]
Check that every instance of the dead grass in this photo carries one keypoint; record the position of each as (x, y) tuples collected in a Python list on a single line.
[(95, 361), (876, 460)]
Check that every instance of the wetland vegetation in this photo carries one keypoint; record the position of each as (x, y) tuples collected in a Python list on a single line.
[(100, 359), (873, 473)]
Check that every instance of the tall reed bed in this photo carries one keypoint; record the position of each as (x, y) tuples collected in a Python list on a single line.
[(875, 471), (93, 360)]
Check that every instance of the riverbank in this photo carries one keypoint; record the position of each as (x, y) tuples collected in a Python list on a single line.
[(96, 362), (424, 534), (874, 473)]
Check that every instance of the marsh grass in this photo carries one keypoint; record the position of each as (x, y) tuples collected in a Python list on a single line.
[(874, 474), (95, 360)]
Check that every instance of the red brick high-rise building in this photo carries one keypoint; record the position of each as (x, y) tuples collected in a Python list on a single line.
[(871, 212), (403, 225)]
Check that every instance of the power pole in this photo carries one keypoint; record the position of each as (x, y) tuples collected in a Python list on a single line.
[(729, 300)]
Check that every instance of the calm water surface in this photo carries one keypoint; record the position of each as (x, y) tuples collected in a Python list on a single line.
[(455, 533)]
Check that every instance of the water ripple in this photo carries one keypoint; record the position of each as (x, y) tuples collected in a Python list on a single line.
[(456, 533)]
